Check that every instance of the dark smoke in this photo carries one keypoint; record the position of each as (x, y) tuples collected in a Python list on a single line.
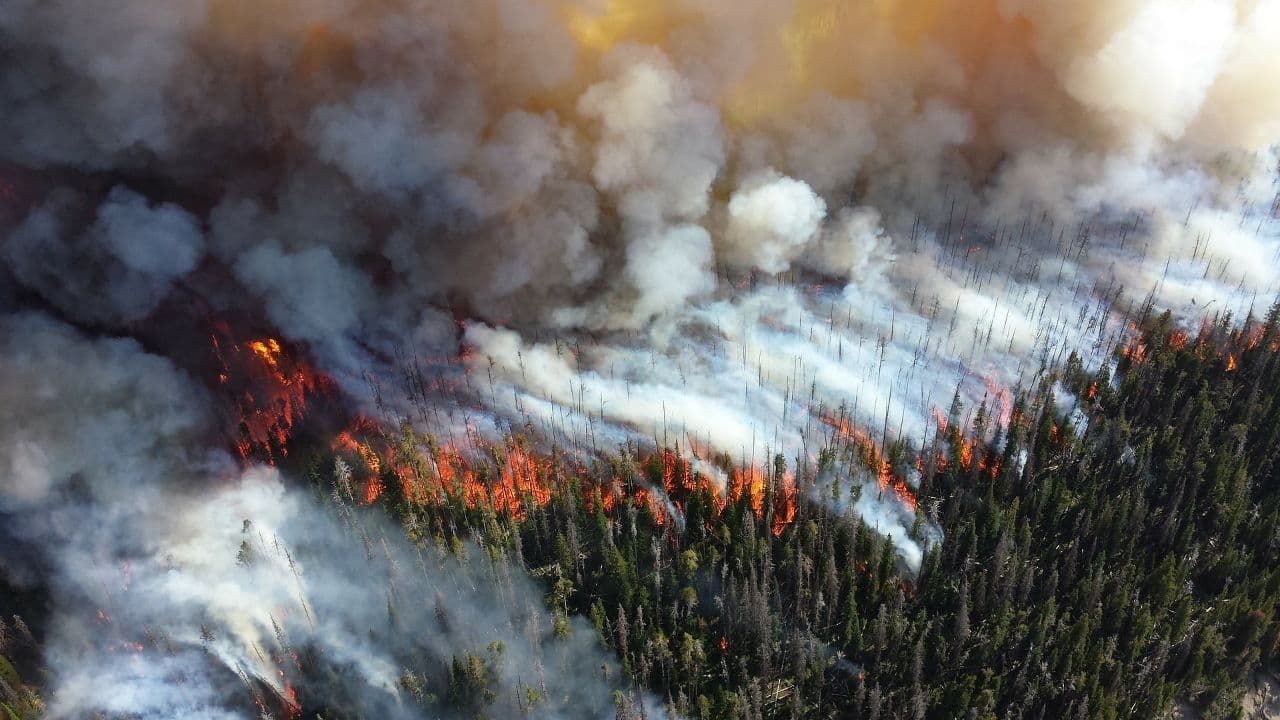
[(616, 221)]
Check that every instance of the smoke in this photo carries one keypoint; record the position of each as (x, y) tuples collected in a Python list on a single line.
[(771, 220), (119, 268), (718, 224), (256, 581), (183, 588)]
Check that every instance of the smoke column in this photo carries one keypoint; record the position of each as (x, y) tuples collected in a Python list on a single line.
[(720, 225)]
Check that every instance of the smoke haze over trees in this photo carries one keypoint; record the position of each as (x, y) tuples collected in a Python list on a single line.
[(750, 358)]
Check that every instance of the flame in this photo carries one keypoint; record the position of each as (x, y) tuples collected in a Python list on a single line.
[(645, 498), (291, 699), (940, 419), (269, 392), (749, 483), (1231, 363), (510, 479), (269, 351), (1001, 399), (874, 460), (1254, 337), (522, 477), (1135, 351)]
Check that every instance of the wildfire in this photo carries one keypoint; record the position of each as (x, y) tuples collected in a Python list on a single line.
[(784, 508), (291, 699), (269, 351), (749, 483), (522, 478), (1231, 363), (510, 479), (1135, 351), (940, 419), (1001, 398), (1254, 337), (874, 460), (269, 391)]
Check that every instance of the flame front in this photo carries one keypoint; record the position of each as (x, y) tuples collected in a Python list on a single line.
[(873, 459), (269, 391)]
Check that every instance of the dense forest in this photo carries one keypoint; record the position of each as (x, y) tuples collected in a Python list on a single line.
[(1109, 550)]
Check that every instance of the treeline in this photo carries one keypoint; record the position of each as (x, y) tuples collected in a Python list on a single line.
[(1110, 550), (1111, 547)]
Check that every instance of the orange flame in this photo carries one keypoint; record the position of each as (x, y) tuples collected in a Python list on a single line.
[(291, 699), (269, 390), (874, 460)]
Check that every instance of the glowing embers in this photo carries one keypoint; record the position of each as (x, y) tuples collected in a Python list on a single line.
[(268, 388)]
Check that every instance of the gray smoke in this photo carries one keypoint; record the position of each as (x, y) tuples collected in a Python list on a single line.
[(177, 579), (711, 223)]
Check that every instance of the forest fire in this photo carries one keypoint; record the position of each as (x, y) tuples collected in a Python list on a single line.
[(1135, 351), (873, 459), (510, 479), (1001, 399), (268, 389)]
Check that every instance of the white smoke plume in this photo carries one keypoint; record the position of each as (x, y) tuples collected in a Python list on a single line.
[(706, 223), (179, 582)]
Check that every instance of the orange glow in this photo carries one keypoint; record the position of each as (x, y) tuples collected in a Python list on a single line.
[(784, 505), (518, 480), (269, 351), (646, 498), (373, 488), (749, 483), (940, 418), (874, 460), (291, 699), (1001, 399), (1231, 363), (1135, 351), (1254, 337), (269, 390), (522, 477)]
